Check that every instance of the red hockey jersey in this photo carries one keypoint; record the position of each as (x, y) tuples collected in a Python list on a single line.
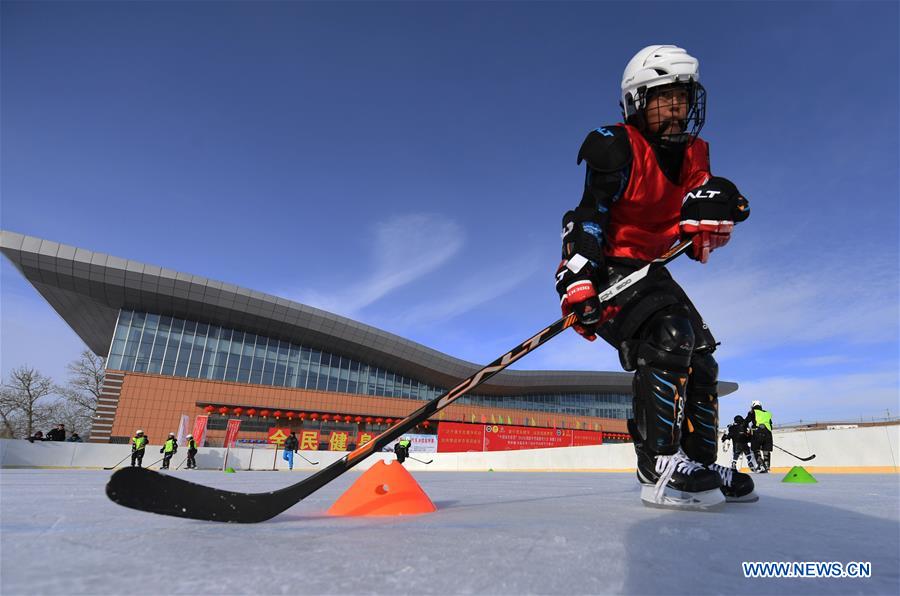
[(643, 223)]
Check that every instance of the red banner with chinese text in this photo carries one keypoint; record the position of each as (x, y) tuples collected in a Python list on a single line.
[(200, 429), (454, 436), (309, 440), (363, 437), (508, 438), (277, 435), (338, 441), (231, 432)]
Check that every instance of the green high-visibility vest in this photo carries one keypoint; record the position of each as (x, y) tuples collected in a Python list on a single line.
[(763, 418), (405, 443), (192, 444), (169, 447), (139, 442)]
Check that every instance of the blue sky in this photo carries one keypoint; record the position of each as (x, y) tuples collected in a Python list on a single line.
[(407, 165)]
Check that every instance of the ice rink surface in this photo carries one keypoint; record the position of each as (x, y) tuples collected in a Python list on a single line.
[(493, 533)]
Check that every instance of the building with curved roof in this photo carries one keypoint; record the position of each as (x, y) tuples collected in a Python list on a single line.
[(177, 343)]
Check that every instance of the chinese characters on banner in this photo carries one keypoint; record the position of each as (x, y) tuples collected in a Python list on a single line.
[(231, 432), (338, 441), (363, 437), (278, 435), (454, 436), (309, 440), (200, 429)]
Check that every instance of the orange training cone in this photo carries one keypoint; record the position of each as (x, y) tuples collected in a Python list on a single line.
[(383, 489)]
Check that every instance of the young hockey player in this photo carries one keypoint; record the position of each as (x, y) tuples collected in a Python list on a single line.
[(739, 436), (648, 183), (138, 446), (192, 452), (401, 449), (169, 448), (759, 421)]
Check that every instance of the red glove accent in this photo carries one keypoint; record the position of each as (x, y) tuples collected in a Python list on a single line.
[(707, 236), (579, 292)]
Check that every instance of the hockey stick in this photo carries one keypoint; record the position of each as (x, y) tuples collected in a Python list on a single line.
[(315, 463), (421, 461), (813, 456), (151, 491), (156, 462), (118, 464)]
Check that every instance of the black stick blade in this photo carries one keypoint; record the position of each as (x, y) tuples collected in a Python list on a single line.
[(146, 490)]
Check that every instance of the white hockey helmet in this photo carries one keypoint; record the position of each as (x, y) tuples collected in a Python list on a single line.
[(138, 432), (755, 403), (658, 66), (189, 437)]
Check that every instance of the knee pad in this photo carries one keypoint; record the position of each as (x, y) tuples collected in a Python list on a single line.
[(701, 421), (663, 358)]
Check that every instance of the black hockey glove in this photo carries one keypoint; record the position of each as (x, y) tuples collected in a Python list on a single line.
[(708, 215), (578, 274)]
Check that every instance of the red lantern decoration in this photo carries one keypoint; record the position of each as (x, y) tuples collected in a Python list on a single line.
[(302, 416), (223, 410), (358, 419), (209, 409), (369, 419), (388, 420), (237, 411), (290, 415), (426, 424), (277, 414), (251, 412), (264, 413), (346, 418), (379, 420), (325, 417), (314, 417)]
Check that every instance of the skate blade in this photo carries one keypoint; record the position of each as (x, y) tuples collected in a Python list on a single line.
[(750, 497), (710, 500)]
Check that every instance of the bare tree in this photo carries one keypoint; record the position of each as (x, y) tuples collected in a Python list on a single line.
[(83, 388), (10, 417), (23, 395)]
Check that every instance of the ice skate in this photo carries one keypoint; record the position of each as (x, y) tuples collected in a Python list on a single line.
[(677, 482), (736, 486)]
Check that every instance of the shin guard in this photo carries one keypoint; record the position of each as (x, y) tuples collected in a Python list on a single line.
[(701, 424), (660, 382)]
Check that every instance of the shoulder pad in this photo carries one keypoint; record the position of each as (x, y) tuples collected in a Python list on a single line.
[(606, 149)]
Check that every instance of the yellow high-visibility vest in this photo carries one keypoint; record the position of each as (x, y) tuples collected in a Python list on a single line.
[(763, 418)]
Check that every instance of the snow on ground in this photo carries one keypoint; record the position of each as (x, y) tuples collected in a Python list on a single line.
[(493, 533)]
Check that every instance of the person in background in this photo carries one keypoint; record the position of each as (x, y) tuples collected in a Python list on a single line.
[(291, 444), (75, 438), (57, 434), (759, 421), (169, 448), (739, 436), (37, 436), (401, 449), (138, 444), (192, 452)]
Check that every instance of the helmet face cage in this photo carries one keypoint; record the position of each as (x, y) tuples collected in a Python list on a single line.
[(689, 128)]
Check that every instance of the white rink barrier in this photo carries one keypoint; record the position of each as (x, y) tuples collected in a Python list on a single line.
[(873, 449)]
